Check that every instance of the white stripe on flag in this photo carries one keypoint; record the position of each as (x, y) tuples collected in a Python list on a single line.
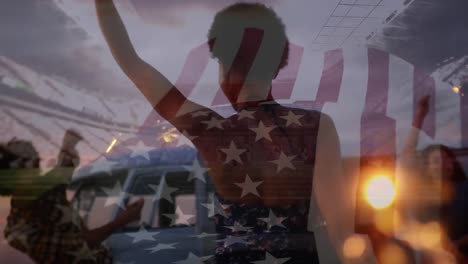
[(351, 99), (400, 98), (308, 77)]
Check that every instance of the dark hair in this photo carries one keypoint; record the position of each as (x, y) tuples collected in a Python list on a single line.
[(246, 32), (458, 173), (13, 156), (6, 157), (24, 151)]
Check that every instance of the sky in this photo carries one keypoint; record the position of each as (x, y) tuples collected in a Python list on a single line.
[(62, 38), (41, 36), (428, 33)]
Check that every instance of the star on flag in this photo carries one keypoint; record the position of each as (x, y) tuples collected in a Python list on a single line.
[(249, 186), (140, 149), (245, 114), (215, 207), (272, 220), (194, 259), (262, 131), (233, 153), (115, 195), (161, 246), (69, 216), (197, 171), (142, 235), (284, 162), (179, 217), (292, 118), (214, 123), (163, 191)]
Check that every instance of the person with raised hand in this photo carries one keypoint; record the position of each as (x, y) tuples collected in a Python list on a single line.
[(277, 168)]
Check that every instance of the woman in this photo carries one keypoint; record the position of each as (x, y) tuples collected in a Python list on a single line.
[(263, 159), (438, 176)]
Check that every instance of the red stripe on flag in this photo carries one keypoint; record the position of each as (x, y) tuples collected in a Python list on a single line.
[(377, 129), (378, 133), (167, 108), (170, 104), (246, 54), (332, 76), (423, 85), (378, 82)]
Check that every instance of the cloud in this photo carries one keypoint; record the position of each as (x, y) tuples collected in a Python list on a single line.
[(428, 32), (43, 37), (39, 35)]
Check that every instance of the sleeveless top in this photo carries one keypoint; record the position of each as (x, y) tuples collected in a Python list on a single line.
[(265, 146), (247, 233)]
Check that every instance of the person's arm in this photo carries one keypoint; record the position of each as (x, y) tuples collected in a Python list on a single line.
[(131, 213), (408, 165), (332, 190), (151, 83), (409, 151)]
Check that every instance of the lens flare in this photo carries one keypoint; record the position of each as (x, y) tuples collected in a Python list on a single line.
[(430, 235), (111, 145), (354, 247), (169, 135), (380, 192), (391, 254)]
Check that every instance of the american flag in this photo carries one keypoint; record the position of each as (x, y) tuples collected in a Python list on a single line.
[(384, 85), (375, 89)]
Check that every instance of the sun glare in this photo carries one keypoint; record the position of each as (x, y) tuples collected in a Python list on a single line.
[(380, 192)]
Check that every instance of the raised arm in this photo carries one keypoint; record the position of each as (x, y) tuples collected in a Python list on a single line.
[(151, 83), (409, 150), (332, 190)]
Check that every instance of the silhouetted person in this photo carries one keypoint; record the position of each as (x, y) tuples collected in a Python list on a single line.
[(440, 179), (264, 158), (42, 223), (68, 156)]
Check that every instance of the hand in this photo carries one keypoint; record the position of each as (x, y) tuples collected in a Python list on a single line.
[(421, 112), (131, 213)]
